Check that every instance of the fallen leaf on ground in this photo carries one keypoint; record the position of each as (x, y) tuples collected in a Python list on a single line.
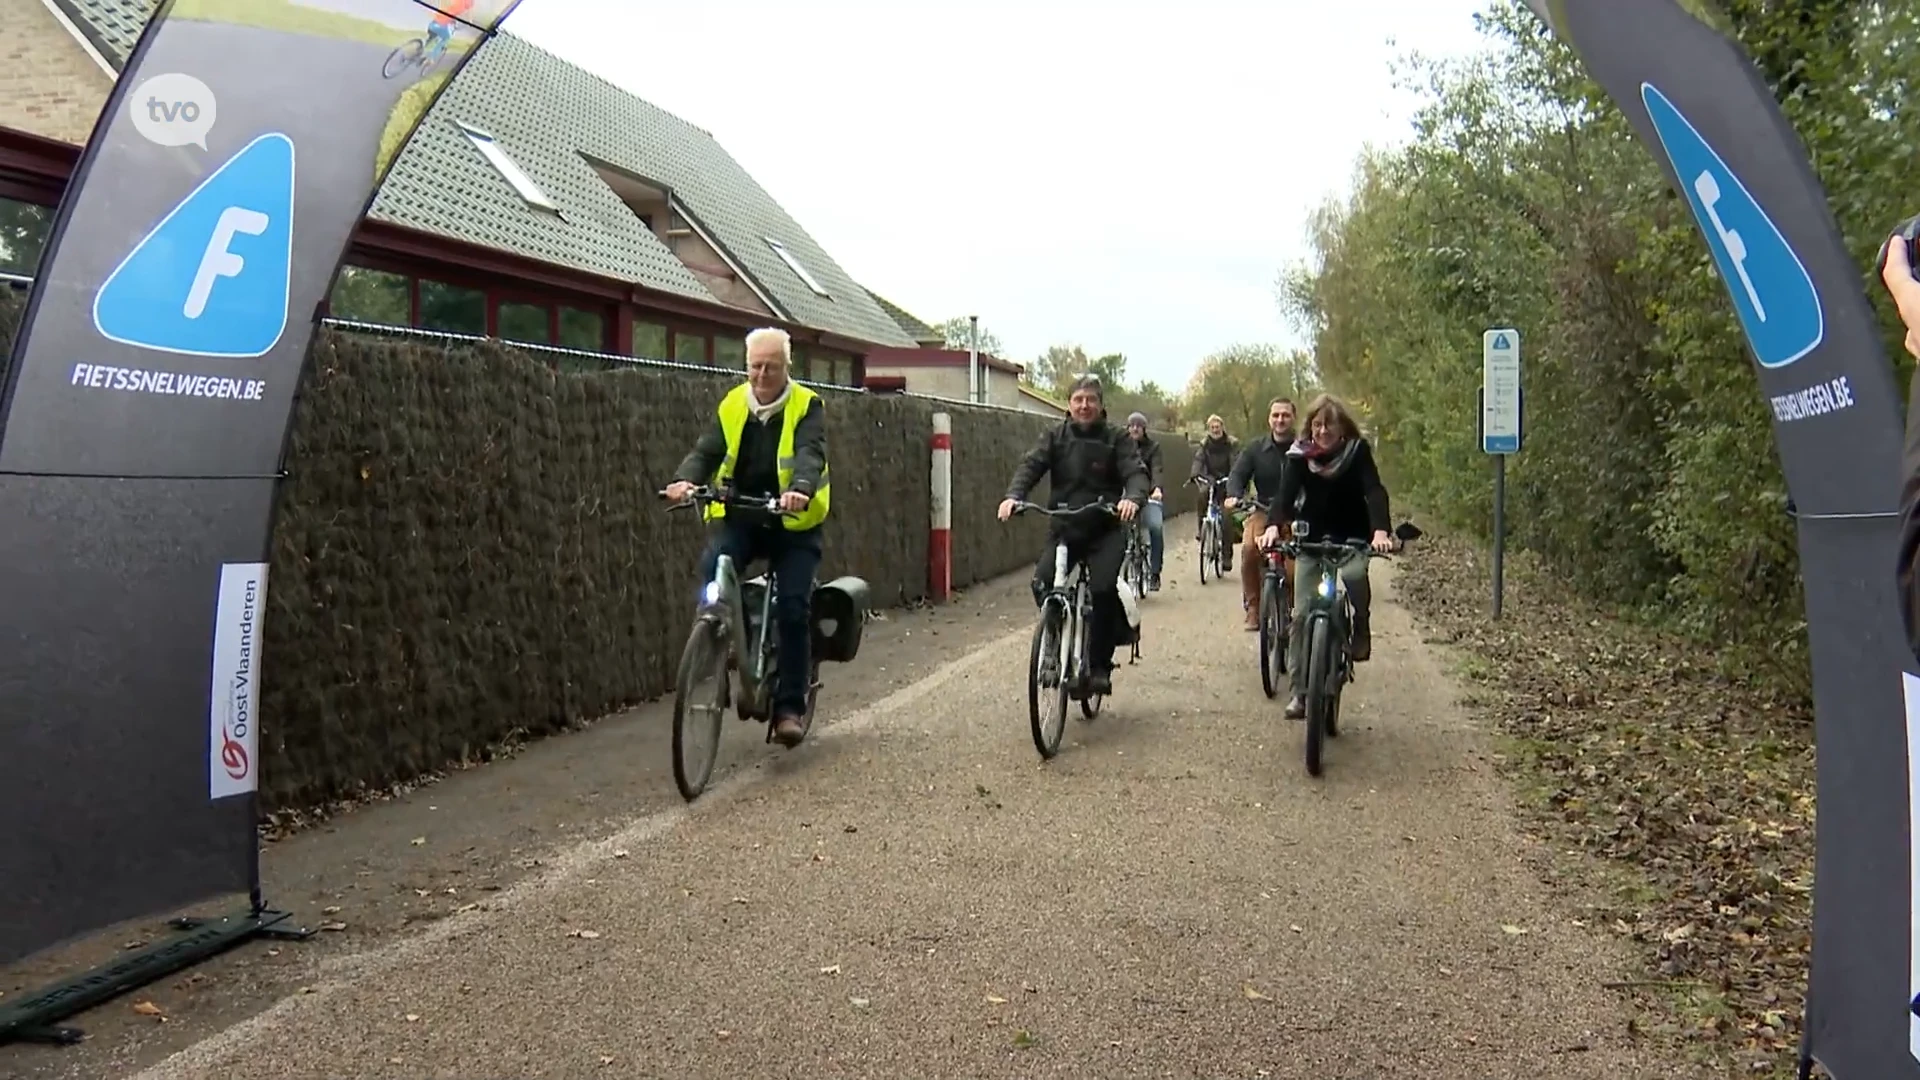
[(1509, 928), (860, 1003), (418, 841), (412, 1017), (332, 910), (1022, 1038), (606, 1060), (589, 935), (996, 999), (331, 925), (620, 853), (1254, 995), (830, 969), (739, 899), (147, 1008), (724, 1033), (1296, 928)]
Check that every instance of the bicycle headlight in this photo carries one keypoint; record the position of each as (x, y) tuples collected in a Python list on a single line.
[(711, 593), (1326, 588)]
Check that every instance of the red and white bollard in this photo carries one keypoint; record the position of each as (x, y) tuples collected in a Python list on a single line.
[(940, 541)]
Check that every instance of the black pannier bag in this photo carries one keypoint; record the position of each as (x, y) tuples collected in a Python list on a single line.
[(839, 619)]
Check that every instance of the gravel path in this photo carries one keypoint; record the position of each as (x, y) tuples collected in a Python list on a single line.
[(915, 895)]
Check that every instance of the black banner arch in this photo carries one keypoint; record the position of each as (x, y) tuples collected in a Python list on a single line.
[(1706, 115), (143, 425)]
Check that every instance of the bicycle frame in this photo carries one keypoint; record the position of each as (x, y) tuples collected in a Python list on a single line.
[(1216, 517), (723, 599), (1073, 599), (1070, 594)]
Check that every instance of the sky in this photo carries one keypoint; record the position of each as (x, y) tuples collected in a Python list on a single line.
[(1128, 177)]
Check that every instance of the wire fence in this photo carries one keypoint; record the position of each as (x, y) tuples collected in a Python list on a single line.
[(591, 360)]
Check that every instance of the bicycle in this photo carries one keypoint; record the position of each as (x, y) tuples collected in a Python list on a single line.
[(1135, 570), (1328, 628), (734, 630), (425, 50), (1276, 611), (1059, 668), (1213, 530)]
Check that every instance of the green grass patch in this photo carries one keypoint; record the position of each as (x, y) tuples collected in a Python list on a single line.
[(297, 19)]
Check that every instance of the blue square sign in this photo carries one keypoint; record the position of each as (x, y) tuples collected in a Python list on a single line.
[(1772, 292), (212, 278)]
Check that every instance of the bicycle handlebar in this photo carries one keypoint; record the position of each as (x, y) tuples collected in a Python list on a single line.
[(1297, 546), (1021, 506), (706, 494)]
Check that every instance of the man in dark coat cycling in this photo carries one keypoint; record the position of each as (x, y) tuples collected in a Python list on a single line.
[(1089, 461)]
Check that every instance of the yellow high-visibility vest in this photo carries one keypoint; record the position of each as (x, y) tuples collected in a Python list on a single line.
[(734, 411)]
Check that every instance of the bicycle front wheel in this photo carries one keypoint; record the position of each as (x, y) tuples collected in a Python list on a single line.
[(402, 58), (1273, 643), (1320, 690), (1047, 681), (1207, 544), (698, 715)]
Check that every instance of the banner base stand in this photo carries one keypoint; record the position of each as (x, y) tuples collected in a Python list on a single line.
[(36, 1018)]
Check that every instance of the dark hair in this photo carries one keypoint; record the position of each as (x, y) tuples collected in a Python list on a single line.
[(1088, 381)]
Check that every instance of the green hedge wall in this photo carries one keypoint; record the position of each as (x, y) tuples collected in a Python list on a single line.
[(469, 545)]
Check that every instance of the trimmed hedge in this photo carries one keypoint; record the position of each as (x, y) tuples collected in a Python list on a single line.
[(470, 545)]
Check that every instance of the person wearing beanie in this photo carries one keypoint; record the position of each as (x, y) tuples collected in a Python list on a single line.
[(1153, 514)]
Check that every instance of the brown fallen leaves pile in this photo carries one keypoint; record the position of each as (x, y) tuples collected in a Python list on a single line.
[(1694, 791)]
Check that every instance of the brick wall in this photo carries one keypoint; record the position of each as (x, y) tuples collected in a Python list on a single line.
[(49, 86)]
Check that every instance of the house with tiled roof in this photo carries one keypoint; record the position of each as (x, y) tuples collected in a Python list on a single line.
[(536, 202)]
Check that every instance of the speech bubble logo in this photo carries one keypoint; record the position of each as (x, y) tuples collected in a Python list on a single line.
[(174, 109)]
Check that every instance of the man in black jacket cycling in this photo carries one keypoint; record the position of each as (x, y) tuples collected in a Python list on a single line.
[(1089, 461), (1154, 516)]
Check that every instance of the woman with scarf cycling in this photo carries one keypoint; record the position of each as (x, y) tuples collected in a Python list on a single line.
[(1330, 468)]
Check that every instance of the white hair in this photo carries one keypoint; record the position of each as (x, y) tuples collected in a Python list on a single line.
[(772, 333)]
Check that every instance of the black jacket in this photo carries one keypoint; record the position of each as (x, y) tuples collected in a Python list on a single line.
[(1351, 506), (1085, 466), (1908, 573), (1214, 459), (1264, 462), (758, 470), (1151, 460)]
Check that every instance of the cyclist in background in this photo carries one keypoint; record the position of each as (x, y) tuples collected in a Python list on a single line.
[(1213, 460), (1154, 512), (440, 27), (1089, 461), (1263, 462)]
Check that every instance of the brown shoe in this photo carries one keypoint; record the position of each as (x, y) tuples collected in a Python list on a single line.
[(789, 729), (1253, 618)]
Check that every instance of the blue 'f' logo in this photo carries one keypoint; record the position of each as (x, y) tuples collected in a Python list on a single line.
[(1771, 290), (212, 278)]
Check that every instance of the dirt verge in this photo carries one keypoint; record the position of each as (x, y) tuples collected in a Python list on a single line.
[(1679, 802)]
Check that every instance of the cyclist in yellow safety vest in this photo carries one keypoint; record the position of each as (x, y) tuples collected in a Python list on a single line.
[(769, 436)]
